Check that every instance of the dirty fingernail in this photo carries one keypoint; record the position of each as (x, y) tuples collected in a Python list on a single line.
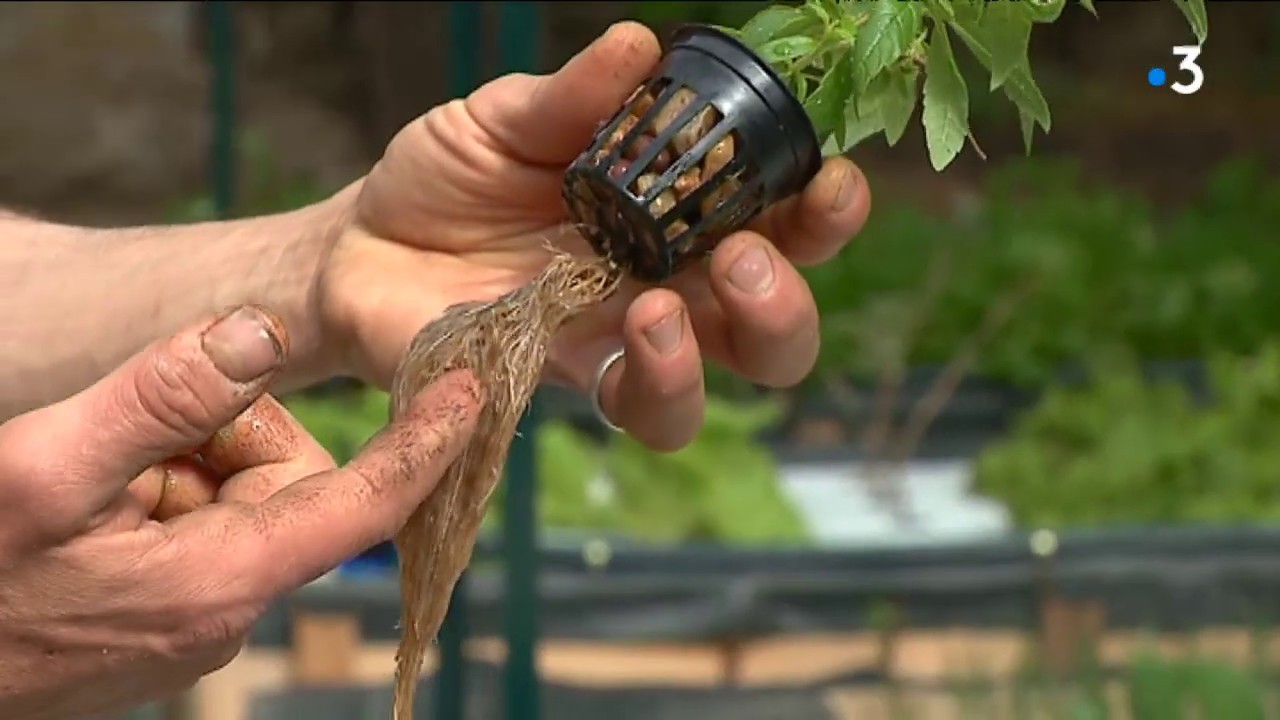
[(665, 335), (242, 345), (844, 193), (752, 272)]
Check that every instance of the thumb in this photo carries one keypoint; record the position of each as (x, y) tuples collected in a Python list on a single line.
[(549, 119), (170, 397)]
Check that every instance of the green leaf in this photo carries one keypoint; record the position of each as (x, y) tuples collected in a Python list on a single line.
[(825, 106), (1088, 5), (889, 30), (898, 103), (774, 22), (942, 8), (817, 11), (862, 118), (1197, 15), (1006, 28), (1020, 86), (1043, 11), (946, 102), (1028, 125), (787, 48)]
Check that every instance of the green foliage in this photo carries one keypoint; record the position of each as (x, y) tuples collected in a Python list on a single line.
[(1112, 275), (1161, 689), (1154, 687), (724, 487), (341, 422), (855, 65), (1123, 450)]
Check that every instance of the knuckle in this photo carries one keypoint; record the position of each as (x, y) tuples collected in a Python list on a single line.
[(668, 387), (781, 349), (174, 390), (212, 632), (28, 478)]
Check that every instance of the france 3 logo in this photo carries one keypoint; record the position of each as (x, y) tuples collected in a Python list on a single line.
[(1157, 77)]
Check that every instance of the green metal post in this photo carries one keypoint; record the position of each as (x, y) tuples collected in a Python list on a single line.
[(223, 100), (465, 38), (518, 36)]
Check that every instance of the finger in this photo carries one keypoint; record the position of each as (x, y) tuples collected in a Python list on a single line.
[(549, 119), (313, 525), (770, 319), (655, 392), (261, 451), (813, 226), (168, 398), (752, 311), (174, 487)]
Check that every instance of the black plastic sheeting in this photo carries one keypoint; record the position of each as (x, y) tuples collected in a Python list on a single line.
[(484, 701), (1151, 579)]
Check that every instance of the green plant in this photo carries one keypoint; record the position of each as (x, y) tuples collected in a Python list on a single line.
[(723, 487), (856, 65), (342, 422), (1114, 273), (1123, 450)]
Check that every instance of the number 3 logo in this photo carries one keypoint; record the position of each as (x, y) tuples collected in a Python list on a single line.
[(1189, 54)]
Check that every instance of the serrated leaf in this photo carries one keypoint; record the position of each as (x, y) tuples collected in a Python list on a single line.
[(862, 117), (946, 101), (1197, 15), (825, 107), (889, 30), (861, 121), (787, 48), (1020, 86), (1006, 31), (898, 103), (774, 22), (1088, 5)]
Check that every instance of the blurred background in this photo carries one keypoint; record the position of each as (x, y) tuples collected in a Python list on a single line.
[(1035, 475)]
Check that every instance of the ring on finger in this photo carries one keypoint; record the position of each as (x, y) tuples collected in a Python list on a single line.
[(596, 382)]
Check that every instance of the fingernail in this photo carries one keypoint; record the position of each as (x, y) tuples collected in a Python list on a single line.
[(242, 346), (665, 334), (752, 272), (844, 193)]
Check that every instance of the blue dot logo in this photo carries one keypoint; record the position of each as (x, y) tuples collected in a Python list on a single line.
[(1156, 77)]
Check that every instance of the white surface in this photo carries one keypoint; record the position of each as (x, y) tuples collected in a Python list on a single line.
[(841, 508)]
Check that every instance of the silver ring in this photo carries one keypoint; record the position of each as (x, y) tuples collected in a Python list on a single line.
[(595, 389)]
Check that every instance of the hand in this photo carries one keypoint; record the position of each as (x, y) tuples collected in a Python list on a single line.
[(102, 605), (465, 198)]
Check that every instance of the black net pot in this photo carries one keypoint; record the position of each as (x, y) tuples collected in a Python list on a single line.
[(710, 140)]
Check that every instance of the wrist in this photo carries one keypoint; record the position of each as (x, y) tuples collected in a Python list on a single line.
[(302, 243)]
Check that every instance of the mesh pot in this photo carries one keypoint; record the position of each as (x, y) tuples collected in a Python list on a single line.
[(709, 141)]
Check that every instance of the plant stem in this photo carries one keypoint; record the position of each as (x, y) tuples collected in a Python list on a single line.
[(936, 398)]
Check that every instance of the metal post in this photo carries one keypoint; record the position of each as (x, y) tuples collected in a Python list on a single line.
[(465, 36), (518, 36), (451, 681), (223, 100)]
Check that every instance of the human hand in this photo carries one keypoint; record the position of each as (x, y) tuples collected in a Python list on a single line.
[(102, 604), (465, 199)]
